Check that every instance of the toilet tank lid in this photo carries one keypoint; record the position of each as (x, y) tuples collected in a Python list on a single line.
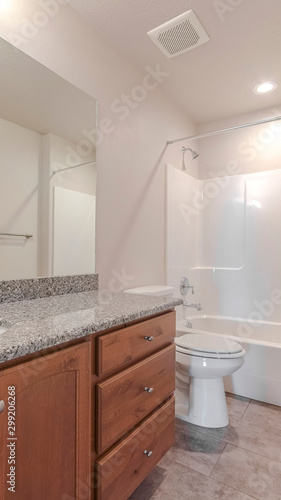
[(156, 290)]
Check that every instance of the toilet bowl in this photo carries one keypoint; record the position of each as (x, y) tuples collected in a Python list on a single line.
[(201, 363)]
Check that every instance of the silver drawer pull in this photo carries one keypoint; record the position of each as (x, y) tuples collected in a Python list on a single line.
[(149, 389), (2, 406), (148, 453), (149, 338)]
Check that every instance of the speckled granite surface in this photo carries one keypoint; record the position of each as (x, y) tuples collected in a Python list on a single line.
[(40, 323), (14, 290)]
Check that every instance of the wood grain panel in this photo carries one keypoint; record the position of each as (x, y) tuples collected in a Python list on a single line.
[(118, 348), (53, 427), (123, 401), (121, 470)]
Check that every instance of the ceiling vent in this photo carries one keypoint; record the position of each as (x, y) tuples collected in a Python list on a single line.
[(183, 33)]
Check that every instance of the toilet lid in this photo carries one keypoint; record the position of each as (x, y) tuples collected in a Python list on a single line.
[(208, 343)]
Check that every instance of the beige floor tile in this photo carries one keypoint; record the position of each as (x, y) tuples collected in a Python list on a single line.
[(182, 483), (264, 415), (149, 486), (193, 449), (236, 405), (248, 472), (239, 462), (265, 441)]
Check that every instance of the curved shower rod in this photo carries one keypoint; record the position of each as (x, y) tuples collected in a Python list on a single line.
[(74, 166), (215, 132)]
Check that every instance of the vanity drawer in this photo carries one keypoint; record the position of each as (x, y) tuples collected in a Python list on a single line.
[(123, 400), (117, 348), (121, 470)]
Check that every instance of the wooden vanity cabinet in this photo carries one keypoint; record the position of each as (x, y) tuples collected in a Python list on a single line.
[(92, 419), (48, 435)]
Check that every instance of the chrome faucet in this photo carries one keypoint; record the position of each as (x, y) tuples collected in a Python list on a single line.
[(191, 304)]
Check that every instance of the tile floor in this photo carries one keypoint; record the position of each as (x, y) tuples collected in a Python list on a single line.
[(239, 462)]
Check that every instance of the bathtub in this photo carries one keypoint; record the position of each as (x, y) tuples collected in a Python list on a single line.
[(260, 376)]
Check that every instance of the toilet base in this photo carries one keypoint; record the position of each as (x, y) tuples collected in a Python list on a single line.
[(207, 404)]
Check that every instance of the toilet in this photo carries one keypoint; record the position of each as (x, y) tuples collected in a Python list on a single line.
[(201, 363)]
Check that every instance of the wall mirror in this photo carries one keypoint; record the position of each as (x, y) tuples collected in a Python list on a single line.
[(47, 171)]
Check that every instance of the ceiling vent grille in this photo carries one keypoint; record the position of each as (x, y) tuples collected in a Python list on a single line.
[(183, 33)]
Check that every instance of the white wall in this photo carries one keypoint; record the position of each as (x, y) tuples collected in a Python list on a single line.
[(20, 156), (131, 157), (246, 150), (82, 179)]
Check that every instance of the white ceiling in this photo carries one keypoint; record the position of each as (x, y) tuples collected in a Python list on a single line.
[(216, 79), (36, 98)]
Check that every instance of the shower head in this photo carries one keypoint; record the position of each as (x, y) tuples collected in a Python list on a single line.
[(194, 153)]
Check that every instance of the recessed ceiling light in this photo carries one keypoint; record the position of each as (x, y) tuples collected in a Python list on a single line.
[(264, 87)]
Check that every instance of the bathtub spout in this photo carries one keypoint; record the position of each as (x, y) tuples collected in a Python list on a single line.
[(190, 304)]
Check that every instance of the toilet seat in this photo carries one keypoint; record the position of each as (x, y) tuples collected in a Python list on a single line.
[(208, 346)]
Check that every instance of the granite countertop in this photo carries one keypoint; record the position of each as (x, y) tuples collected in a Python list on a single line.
[(37, 324)]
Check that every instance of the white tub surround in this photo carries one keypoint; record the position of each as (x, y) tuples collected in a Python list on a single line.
[(223, 233), (260, 376)]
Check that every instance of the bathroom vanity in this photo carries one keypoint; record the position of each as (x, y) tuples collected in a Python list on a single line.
[(86, 389)]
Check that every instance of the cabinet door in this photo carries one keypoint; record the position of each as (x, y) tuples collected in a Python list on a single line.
[(45, 427)]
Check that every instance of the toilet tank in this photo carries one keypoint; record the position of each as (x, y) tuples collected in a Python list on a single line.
[(155, 290)]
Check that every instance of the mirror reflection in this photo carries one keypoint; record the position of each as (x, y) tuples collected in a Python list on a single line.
[(47, 171)]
